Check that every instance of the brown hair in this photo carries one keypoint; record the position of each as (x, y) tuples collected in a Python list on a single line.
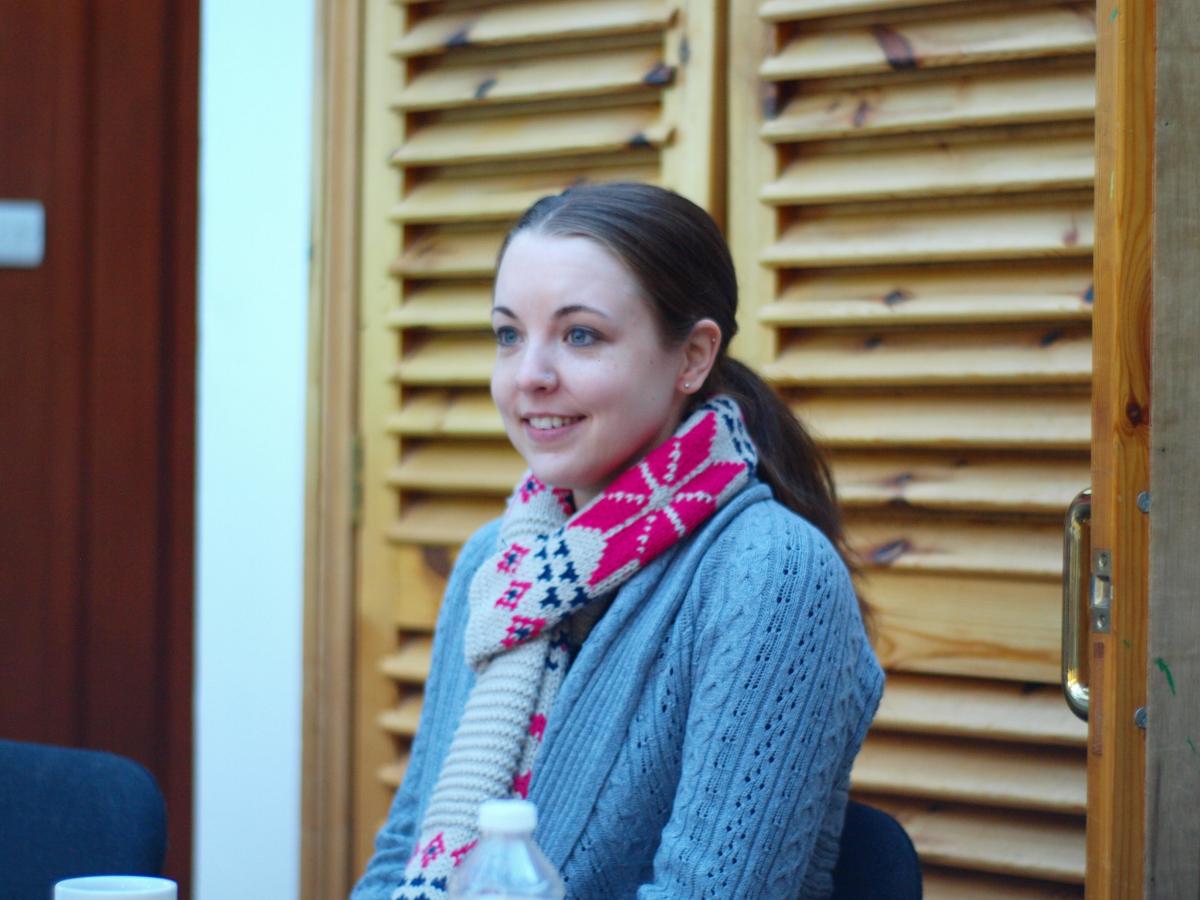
[(681, 261)]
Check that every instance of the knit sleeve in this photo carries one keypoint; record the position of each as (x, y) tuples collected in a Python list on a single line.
[(394, 843), (783, 687)]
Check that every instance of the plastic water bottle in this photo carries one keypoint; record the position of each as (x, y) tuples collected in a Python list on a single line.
[(507, 863)]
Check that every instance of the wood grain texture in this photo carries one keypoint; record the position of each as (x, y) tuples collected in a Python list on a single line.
[(934, 236), (1009, 843), (943, 169), (1013, 292), (439, 413), (503, 196), (955, 884), (797, 10), (518, 23), (1052, 779), (963, 625), (326, 852), (963, 546), (966, 482), (458, 467), (964, 707), (964, 101), (1173, 703), (450, 359), (1011, 34), (442, 520), (977, 419), (524, 81), (534, 137), (1120, 451), (452, 252), (378, 577), (1049, 355)]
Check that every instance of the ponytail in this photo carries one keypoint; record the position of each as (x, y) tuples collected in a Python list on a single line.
[(789, 460)]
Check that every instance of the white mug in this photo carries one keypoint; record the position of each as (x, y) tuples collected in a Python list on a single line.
[(115, 887)]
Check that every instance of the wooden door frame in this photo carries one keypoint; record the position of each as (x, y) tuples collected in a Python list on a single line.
[(1121, 441), (331, 484), (1144, 755)]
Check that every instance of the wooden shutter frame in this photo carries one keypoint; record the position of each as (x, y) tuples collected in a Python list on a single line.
[(332, 458)]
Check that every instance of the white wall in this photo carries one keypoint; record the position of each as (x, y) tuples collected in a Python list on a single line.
[(256, 103)]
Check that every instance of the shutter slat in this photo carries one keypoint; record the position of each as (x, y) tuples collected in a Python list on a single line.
[(410, 663), (458, 466), (452, 307), (918, 420), (392, 774), (984, 627), (443, 520), (403, 719), (449, 359), (1060, 355), (1020, 292), (1022, 33), (501, 197), (868, 239), (964, 707), (534, 136), (964, 484), (940, 170), (445, 414), (1052, 779), (976, 548), (450, 254), (923, 106), (1031, 845), (578, 75), (520, 23), (794, 10), (948, 884)]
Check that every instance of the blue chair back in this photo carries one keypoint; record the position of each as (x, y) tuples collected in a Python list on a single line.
[(66, 812), (877, 860)]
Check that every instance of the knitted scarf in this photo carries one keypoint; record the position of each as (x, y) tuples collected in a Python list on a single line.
[(551, 564)]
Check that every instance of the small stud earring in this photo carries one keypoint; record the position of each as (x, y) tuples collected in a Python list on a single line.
[(687, 385)]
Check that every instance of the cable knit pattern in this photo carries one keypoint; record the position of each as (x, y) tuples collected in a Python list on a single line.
[(701, 743)]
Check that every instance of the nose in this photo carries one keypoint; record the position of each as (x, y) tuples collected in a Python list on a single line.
[(536, 371)]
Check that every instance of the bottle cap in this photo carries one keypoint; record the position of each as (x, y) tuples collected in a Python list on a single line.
[(507, 817)]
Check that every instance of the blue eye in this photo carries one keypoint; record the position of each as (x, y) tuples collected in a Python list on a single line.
[(579, 336), (506, 336)]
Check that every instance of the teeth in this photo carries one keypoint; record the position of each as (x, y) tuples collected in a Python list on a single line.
[(550, 421)]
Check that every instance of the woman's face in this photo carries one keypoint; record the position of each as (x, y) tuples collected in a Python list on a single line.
[(582, 381)]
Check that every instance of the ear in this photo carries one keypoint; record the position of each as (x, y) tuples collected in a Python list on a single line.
[(700, 350)]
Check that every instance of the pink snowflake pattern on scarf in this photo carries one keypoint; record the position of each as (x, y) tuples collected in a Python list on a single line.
[(675, 466)]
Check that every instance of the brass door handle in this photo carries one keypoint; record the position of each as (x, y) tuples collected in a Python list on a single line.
[(1076, 562)]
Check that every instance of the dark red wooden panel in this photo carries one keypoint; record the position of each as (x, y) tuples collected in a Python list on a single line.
[(98, 120)]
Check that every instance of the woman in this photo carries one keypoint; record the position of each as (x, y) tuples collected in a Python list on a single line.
[(663, 648)]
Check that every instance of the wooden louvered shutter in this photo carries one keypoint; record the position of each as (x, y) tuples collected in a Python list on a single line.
[(492, 105), (911, 217)]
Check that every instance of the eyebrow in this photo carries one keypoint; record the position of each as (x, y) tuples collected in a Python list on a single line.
[(559, 313)]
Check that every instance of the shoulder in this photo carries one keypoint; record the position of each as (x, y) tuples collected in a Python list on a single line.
[(769, 568), (767, 541)]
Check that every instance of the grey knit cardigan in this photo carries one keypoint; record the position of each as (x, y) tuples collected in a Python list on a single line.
[(701, 744)]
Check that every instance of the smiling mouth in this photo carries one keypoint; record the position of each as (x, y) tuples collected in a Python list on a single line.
[(549, 423)]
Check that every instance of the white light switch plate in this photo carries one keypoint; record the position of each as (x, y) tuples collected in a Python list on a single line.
[(22, 234)]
